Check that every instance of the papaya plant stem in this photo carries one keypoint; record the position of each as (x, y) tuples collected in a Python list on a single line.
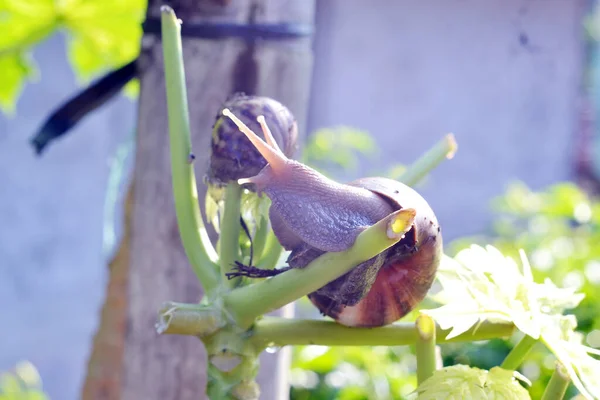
[(425, 347), (194, 237), (558, 384), (444, 149), (516, 356), (229, 239), (260, 239), (272, 252), (274, 331), (247, 303)]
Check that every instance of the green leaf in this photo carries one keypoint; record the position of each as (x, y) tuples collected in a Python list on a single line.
[(560, 338), (23, 24), (463, 382), (338, 147), (104, 34), (16, 69), (482, 284), (23, 382)]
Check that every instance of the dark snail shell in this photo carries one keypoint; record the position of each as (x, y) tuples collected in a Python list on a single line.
[(232, 155), (408, 270)]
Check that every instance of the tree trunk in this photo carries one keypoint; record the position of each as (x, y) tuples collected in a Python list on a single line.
[(173, 367)]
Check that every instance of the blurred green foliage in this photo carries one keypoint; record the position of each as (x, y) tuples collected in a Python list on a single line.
[(22, 383), (101, 35), (339, 150)]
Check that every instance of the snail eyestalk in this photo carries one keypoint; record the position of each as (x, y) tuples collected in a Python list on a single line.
[(198, 248), (268, 135), (249, 302), (274, 158)]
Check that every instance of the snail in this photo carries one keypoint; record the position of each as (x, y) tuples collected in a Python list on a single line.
[(311, 214)]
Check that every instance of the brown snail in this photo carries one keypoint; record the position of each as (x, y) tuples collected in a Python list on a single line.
[(312, 214)]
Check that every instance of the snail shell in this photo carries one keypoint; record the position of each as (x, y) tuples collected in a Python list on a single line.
[(408, 270), (232, 155)]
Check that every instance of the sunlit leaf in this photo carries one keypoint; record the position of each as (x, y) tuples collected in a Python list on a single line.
[(463, 382), (23, 382), (566, 344), (482, 284), (103, 34), (23, 23), (132, 89), (16, 70)]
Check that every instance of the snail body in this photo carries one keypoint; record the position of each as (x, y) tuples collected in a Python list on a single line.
[(311, 214)]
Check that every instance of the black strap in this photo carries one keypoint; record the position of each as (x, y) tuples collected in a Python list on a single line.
[(284, 31)]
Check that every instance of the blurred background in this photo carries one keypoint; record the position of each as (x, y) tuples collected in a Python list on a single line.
[(516, 81)]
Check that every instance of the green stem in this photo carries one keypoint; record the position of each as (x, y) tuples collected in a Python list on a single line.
[(189, 319), (232, 365), (271, 254), (260, 239), (249, 302), (425, 347), (444, 149), (559, 382), (516, 356), (194, 237), (229, 245), (274, 331)]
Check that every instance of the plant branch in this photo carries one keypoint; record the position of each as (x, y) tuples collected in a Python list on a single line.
[(425, 347), (194, 237), (444, 149), (260, 238), (273, 331), (558, 384), (271, 253), (247, 303), (189, 319), (516, 356), (229, 248)]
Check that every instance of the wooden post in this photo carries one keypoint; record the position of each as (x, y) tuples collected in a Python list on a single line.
[(173, 367)]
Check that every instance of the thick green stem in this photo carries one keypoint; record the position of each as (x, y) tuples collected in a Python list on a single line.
[(233, 366), (516, 356), (189, 319), (229, 245), (444, 149), (247, 303), (194, 237), (558, 385), (273, 331), (425, 347)]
